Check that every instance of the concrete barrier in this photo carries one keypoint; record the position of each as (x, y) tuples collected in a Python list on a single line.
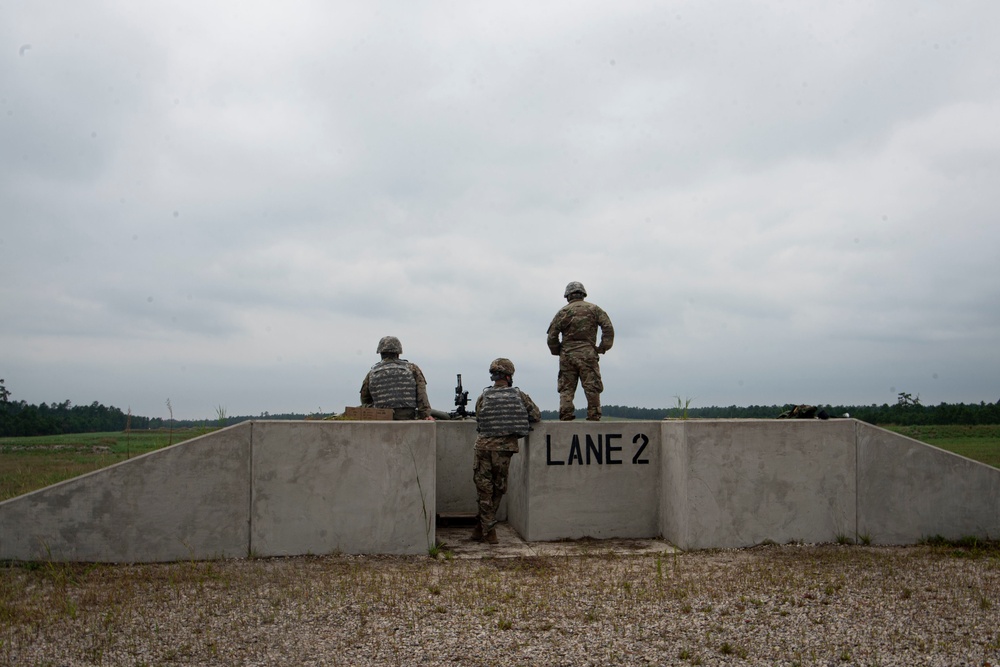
[(909, 490), (188, 501), (342, 486), (735, 483), (456, 492), (273, 488), (262, 488), (585, 479)]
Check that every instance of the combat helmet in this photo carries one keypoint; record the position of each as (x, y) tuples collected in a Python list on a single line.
[(389, 345), (574, 287), (501, 365)]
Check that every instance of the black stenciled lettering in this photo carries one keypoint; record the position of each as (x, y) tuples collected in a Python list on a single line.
[(595, 448), (548, 452), (609, 448), (645, 441), (574, 451)]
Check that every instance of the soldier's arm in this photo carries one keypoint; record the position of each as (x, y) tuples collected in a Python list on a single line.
[(553, 334), (607, 331), (479, 404), (534, 414), (423, 404), (366, 395)]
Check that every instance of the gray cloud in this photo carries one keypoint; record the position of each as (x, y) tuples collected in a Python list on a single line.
[(230, 204)]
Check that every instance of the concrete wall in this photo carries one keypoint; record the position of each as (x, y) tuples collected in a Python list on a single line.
[(191, 500), (284, 488), (733, 483), (736, 483), (908, 490), (352, 487), (580, 479), (260, 488), (456, 492)]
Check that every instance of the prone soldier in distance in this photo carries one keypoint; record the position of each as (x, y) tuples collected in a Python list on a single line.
[(504, 414)]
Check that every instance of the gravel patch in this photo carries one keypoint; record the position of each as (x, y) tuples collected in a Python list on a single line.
[(773, 605)]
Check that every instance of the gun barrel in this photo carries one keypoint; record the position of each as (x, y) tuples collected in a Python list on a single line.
[(461, 400)]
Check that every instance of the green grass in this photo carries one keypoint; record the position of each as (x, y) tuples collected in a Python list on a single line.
[(27, 464), (977, 442)]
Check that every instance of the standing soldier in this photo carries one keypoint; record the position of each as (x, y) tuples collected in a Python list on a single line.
[(577, 323), (396, 383), (503, 412)]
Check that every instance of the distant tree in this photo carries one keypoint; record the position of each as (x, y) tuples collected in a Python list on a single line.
[(4, 394)]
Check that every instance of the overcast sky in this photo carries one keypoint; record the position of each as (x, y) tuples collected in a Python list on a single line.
[(226, 204)]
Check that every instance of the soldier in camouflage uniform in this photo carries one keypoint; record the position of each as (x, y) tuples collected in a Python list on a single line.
[(396, 383), (577, 323), (503, 413)]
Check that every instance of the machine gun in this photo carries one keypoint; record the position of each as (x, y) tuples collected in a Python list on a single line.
[(461, 400)]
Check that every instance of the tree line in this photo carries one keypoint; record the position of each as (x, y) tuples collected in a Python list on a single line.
[(18, 418), (900, 413)]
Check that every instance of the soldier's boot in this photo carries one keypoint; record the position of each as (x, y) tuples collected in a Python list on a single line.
[(567, 412), (491, 537), (477, 532)]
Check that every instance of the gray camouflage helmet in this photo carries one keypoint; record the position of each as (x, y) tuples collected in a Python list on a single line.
[(501, 365), (574, 287), (390, 345)]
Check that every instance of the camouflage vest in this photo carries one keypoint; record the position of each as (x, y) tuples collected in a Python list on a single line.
[(392, 384), (502, 413)]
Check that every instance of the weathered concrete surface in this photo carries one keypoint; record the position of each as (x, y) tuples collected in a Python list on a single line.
[(456, 542), (736, 483), (286, 488), (188, 501), (353, 487), (456, 492), (908, 490), (586, 479)]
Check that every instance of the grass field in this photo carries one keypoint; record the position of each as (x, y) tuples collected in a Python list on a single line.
[(27, 464), (977, 442)]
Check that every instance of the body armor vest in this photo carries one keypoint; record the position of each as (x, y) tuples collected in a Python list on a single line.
[(392, 384), (502, 413)]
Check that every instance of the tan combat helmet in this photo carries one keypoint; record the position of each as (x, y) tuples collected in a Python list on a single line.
[(501, 365), (573, 288), (389, 345)]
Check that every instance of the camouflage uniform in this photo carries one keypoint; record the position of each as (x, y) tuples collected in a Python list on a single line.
[(801, 412), (577, 322), (415, 406), (492, 463), (423, 408)]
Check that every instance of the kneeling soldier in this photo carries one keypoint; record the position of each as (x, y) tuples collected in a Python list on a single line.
[(503, 412)]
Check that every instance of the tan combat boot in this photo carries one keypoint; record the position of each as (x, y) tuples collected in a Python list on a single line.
[(491, 537), (477, 533)]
